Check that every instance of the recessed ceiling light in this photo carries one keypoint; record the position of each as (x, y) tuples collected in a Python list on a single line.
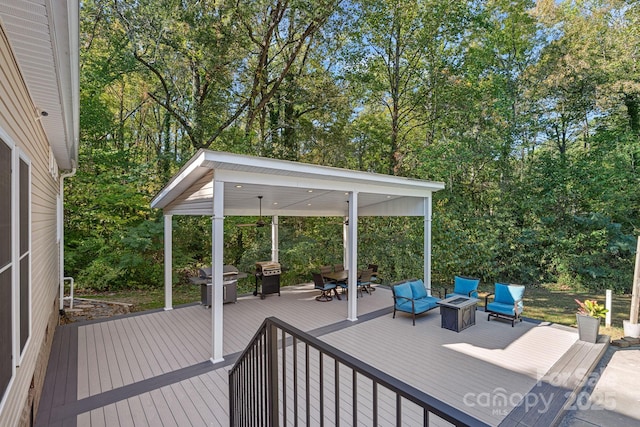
[(309, 191), (308, 204), (275, 203), (388, 197), (238, 186)]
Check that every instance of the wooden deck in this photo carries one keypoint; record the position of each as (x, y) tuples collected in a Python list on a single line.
[(153, 368)]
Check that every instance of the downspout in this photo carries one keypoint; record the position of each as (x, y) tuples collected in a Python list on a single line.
[(61, 228)]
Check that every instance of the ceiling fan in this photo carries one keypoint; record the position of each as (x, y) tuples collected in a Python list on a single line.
[(259, 222)]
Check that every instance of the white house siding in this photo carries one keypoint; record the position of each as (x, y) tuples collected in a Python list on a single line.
[(18, 120)]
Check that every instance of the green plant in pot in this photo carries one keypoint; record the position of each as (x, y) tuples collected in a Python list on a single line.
[(588, 318)]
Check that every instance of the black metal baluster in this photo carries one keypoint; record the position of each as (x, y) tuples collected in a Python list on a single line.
[(354, 385), (284, 379), (307, 388), (295, 382), (321, 374), (336, 391), (375, 403)]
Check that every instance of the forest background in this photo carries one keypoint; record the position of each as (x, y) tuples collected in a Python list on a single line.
[(528, 111)]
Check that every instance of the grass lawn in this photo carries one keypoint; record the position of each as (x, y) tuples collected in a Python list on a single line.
[(557, 304), (153, 298), (548, 303)]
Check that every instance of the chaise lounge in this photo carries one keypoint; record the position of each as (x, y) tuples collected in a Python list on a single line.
[(410, 296)]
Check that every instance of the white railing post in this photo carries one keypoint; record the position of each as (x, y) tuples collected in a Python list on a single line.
[(607, 319), (168, 262)]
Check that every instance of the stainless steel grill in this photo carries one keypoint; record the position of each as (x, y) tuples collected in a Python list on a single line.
[(268, 268), (267, 278)]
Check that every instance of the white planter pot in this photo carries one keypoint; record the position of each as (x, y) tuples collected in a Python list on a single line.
[(631, 329), (588, 328)]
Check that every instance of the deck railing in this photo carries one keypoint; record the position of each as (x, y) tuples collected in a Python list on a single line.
[(288, 377)]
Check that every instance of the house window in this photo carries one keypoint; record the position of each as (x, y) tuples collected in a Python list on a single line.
[(24, 253), (15, 259), (6, 267)]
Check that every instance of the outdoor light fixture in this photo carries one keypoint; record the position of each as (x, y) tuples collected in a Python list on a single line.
[(41, 114)]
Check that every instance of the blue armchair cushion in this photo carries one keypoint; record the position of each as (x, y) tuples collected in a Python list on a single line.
[(465, 286), (425, 304), (418, 290), (506, 294), (502, 308), (505, 298), (403, 291), (419, 306)]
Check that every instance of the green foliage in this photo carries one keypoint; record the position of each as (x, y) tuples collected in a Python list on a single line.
[(591, 308), (527, 111)]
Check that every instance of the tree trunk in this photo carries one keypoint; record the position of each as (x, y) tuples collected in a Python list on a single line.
[(633, 110), (635, 293)]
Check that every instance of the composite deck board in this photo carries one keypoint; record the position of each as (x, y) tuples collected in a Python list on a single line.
[(151, 412), (167, 352), (176, 337), (165, 412), (450, 366), (138, 416), (560, 384), (141, 348), (123, 362), (54, 378), (60, 388), (98, 418), (114, 355), (135, 361)]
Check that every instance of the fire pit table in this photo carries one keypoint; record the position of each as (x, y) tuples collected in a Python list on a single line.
[(458, 313)]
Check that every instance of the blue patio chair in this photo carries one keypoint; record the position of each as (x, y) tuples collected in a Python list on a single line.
[(324, 288), (507, 302), (465, 286)]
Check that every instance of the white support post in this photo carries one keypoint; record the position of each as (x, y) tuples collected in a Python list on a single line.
[(427, 243), (168, 262), (217, 247), (607, 318), (345, 242), (353, 256), (274, 239)]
